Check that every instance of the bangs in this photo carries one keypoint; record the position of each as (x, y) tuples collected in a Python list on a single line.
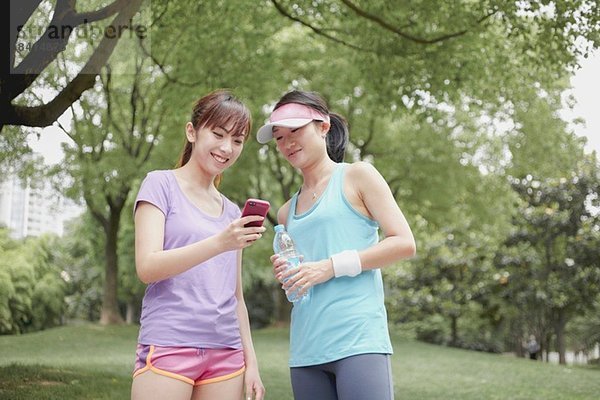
[(225, 113)]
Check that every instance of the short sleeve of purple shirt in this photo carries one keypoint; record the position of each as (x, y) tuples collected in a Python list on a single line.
[(196, 308), (155, 190)]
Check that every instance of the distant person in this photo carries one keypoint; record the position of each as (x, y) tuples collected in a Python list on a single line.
[(339, 341), (533, 348), (194, 340)]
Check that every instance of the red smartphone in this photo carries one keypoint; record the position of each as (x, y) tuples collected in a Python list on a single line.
[(255, 207)]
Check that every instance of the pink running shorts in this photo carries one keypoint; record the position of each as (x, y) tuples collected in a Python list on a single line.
[(189, 364)]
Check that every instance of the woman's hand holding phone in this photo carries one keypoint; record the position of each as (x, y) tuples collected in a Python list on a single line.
[(244, 231), (237, 236)]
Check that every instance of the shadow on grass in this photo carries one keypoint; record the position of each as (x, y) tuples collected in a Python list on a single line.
[(42, 382)]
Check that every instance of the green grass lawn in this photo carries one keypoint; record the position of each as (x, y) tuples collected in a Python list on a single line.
[(93, 362)]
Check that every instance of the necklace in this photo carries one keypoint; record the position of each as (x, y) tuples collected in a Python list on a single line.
[(314, 193), (316, 189)]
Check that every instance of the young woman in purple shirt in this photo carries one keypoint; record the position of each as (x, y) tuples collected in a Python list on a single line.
[(194, 340)]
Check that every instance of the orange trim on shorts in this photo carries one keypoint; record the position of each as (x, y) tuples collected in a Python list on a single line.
[(221, 378), (150, 367), (147, 367)]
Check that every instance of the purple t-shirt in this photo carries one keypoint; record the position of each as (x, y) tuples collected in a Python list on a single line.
[(196, 308)]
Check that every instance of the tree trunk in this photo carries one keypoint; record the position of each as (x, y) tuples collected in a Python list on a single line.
[(110, 314), (516, 332), (131, 314), (546, 344), (560, 336), (454, 330)]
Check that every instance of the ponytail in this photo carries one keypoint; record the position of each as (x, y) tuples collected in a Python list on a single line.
[(337, 137), (186, 153)]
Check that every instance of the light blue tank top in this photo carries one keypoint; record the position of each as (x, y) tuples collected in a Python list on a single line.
[(343, 316)]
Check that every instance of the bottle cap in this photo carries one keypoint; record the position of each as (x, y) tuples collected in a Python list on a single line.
[(279, 228)]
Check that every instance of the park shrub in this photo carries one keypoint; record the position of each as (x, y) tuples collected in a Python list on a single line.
[(479, 344), (48, 302), (433, 329), (22, 278), (7, 291), (32, 291)]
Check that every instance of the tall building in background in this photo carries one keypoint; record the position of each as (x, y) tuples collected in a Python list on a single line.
[(31, 210)]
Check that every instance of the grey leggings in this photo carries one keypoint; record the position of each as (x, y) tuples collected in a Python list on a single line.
[(360, 377)]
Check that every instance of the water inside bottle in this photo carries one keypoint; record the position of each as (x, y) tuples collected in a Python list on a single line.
[(293, 261)]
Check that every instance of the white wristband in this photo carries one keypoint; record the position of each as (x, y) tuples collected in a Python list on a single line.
[(346, 263)]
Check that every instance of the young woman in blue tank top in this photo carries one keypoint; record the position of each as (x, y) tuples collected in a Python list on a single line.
[(339, 342)]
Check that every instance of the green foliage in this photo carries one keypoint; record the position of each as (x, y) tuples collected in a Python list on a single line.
[(22, 277), (540, 135), (556, 219), (101, 168), (551, 262), (34, 291), (584, 329), (488, 51), (7, 292), (48, 296), (445, 98), (13, 149), (82, 263), (448, 279), (433, 329), (48, 302)]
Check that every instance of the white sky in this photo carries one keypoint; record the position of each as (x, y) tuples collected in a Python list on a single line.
[(586, 89)]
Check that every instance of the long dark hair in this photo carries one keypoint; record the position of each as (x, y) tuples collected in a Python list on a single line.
[(337, 137), (217, 108)]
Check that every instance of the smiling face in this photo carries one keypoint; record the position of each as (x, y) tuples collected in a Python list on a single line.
[(215, 135), (215, 148), (302, 145)]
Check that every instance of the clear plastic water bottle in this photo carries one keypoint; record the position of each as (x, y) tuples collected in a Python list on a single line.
[(284, 246)]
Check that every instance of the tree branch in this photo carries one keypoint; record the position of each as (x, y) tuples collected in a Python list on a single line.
[(20, 12), (318, 31), (154, 137), (106, 82), (98, 15), (61, 126), (47, 47), (41, 54), (92, 207), (165, 73), (161, 14), (379, 21), (46, 114), (370, 136)]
